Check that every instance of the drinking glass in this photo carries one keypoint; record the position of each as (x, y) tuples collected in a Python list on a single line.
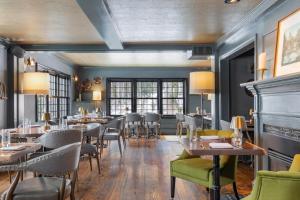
[(237, 140), (5, 138)]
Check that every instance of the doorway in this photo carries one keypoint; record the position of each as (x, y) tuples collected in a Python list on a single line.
[(236, 69)]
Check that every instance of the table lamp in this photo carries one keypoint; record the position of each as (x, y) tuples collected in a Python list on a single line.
[(202, 83), (97, 97), (238, 124), (46, 118)]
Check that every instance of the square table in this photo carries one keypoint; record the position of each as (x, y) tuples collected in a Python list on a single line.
[(201, 147)]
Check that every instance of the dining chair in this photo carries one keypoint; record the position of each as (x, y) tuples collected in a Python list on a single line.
[(113, 132), (134, 124), (52, 184), (180, 124), (152, 122), (193, 124), (95, 132), (277, 185), (199, 170)]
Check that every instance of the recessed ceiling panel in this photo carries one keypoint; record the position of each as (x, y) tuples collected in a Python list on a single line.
[(45, 21), (134, 59), (202, 21)]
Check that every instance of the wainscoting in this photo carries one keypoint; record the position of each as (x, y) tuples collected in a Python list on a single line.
[(277, 120)]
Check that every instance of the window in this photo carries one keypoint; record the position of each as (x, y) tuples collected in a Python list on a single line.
[(57, 103), (147, 97), (120, 97), (163, 96), (173, 97)]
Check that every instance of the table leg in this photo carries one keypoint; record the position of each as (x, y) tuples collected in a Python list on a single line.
[(215, 192)]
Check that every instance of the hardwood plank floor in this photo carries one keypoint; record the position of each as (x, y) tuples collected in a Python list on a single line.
[(141, 174)]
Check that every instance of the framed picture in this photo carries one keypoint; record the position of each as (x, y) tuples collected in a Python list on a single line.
[(287, 52)]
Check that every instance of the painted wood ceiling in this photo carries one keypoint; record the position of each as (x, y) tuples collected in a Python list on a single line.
[(137, 21), (134, 59)]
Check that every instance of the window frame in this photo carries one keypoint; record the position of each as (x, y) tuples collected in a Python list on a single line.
[(57, 77), (159, 91)]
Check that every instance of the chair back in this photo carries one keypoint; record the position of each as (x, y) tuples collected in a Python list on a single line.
[(58, 162), (94, 130), (56, 139), (225, 125), (179, 117), (115, 124), (193, 122), (133, 117), (152, 117)]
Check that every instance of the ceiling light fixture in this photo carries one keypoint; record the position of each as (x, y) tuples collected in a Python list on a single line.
[(231, 1)]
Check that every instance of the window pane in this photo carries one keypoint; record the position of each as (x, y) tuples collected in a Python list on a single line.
[(172, 97), (121, 97)]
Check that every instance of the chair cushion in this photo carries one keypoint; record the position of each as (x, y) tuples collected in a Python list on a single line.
[(45, 188), (194, 167), (88, 148)]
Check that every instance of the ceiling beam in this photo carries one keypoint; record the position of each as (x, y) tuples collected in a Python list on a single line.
[(127, 47), (98, 13)]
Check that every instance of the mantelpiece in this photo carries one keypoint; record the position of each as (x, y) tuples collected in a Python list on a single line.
[(277, 119)]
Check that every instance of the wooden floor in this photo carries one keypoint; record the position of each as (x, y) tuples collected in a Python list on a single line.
[(141, 174)]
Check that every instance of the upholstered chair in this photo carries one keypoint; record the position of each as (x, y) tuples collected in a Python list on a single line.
[(95, 132), (180, 124), (53, 184), (114, 132), (277, 185), (152, 122), (134, 124), (199, 170)]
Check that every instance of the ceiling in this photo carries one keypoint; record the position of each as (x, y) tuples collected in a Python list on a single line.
[(134, 59), (46, 22), (201, 21), (135, 21)]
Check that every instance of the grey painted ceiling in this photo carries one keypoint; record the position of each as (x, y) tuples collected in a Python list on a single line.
[(137, 21)]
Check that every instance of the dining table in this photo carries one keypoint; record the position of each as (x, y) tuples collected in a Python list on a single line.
[(8, 156), (202, 148)]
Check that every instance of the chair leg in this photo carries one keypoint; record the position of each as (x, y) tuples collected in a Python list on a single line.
[(235, 191), (120, 147), (98, 162), (90, 159), (173, 181)]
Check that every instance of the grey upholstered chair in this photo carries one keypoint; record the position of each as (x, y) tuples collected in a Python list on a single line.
[(134, 124), (95, 132), (224, 125), (56, 139), (53, 183), (114, 132), (180, 124), (152, 122)]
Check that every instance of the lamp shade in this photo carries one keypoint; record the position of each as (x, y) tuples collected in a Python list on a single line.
[(262, 60), (202, 82), (238, 122), (97, 95), (36, 83)]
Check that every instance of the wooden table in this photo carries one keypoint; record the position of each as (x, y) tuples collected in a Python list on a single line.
[(12, 156), (200, 148), (34, 132)]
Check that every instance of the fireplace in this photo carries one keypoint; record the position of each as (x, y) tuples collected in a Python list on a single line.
[(277, 120)]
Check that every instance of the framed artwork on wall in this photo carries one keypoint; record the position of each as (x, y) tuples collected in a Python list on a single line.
[(287, 52)]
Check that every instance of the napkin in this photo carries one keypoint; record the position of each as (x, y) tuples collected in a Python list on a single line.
[(209, 137), (215, 145), (13, 148)]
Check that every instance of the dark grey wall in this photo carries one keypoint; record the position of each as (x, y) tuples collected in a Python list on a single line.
[(261, 31), (168, 125), (3, 71)]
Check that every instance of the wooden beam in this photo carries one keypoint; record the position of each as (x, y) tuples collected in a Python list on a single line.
[(99, 16), (127, 47)]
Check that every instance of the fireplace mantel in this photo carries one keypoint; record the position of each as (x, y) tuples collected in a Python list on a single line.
[(277, 119)]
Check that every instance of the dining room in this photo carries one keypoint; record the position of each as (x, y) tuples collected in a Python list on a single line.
[(149, 100)]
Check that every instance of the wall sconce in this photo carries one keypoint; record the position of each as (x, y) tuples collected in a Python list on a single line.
[(262, 61), (75, 77)]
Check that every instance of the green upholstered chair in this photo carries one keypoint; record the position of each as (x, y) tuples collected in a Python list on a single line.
[(199, 170), (277, 185)]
